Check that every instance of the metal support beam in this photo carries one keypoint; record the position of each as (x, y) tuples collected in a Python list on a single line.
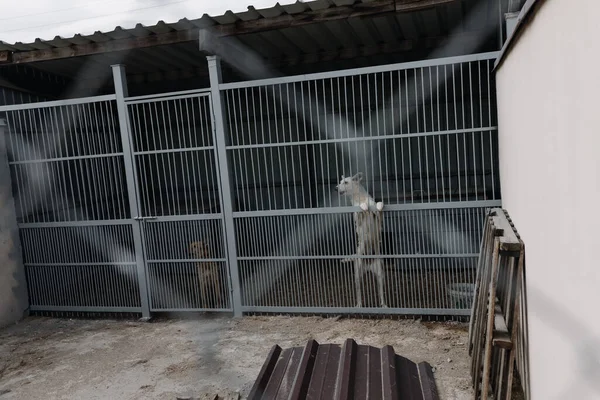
[(511, 23), (219, 127), (121, 93)]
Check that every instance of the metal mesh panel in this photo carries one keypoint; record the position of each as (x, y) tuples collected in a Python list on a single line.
[(81, 266), (68, 176), (421, 135), (424, 139), (182, 273), (66, 163), (296, 260), (412, 285), (178, 186), (175, 157)]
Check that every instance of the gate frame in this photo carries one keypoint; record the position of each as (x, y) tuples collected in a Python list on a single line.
[(139, 221), (142, 308), (219, 126), (120, 82), (217, 87)]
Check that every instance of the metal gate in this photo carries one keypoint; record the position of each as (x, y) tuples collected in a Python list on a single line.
[(179, 196), (423, 136), (224, 199), (68, 171)]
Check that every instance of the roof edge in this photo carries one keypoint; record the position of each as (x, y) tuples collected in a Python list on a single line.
[(525, 17)]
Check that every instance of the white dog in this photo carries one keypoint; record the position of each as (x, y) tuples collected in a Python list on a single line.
[(368, 233)]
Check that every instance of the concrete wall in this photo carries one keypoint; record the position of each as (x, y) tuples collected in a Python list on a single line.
[(13, 287), (549, 145)]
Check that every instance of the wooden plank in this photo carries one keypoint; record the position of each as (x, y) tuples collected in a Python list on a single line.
[(501, 336), (481, 314), (516, 325), (509, 241), (481, 310), (480, 262), (494, 343), (490, 324)]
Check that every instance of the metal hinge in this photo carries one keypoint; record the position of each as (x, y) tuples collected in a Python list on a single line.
[(143, 218)]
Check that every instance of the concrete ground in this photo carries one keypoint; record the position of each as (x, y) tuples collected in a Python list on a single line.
[(44, 358)]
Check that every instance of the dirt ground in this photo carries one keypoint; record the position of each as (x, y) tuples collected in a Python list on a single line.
[(45, 358)]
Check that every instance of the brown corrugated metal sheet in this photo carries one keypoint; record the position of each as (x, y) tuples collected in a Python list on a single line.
[(350, 371)]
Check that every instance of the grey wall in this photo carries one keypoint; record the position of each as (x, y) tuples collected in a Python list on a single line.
[(13, 286)]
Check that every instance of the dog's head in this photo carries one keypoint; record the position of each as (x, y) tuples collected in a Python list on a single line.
[(351, 185), (199, 249)]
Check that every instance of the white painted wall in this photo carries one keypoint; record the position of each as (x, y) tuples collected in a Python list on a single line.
[(549, 121)]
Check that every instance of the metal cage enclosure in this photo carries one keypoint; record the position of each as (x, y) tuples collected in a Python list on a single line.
[(224, 199)]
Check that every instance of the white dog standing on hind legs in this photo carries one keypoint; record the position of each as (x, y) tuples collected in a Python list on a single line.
[(368, 234)]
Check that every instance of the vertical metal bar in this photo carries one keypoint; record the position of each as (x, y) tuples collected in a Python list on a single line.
[(383, 143), (456, 136), (242, 166), (121, 92), (393, 112), (489, 100), (433, 129), (205, 130), (285, 149), (424, 138), (220, 130), (369, 173), (464, 135), (299, 148), (115, 167), (262, 131), (447, 137), (480, 133), (473, 133), (256, 176), (104, 163), (185, 177), (289, 116)]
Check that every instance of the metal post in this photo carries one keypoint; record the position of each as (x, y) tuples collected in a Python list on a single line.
[(511, 22), (214, 70), (120, 82)]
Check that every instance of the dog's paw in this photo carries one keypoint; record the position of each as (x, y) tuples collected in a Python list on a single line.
[(379, 206), (364, 206), (347, 260)]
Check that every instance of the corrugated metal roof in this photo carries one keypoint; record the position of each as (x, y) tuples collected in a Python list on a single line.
[(350, 371), (314, 36), (182, 25)]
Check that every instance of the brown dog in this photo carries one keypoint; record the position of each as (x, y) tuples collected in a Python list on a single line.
[(209, 276)]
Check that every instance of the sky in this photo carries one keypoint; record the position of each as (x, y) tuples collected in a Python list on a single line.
[(45, 19)]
